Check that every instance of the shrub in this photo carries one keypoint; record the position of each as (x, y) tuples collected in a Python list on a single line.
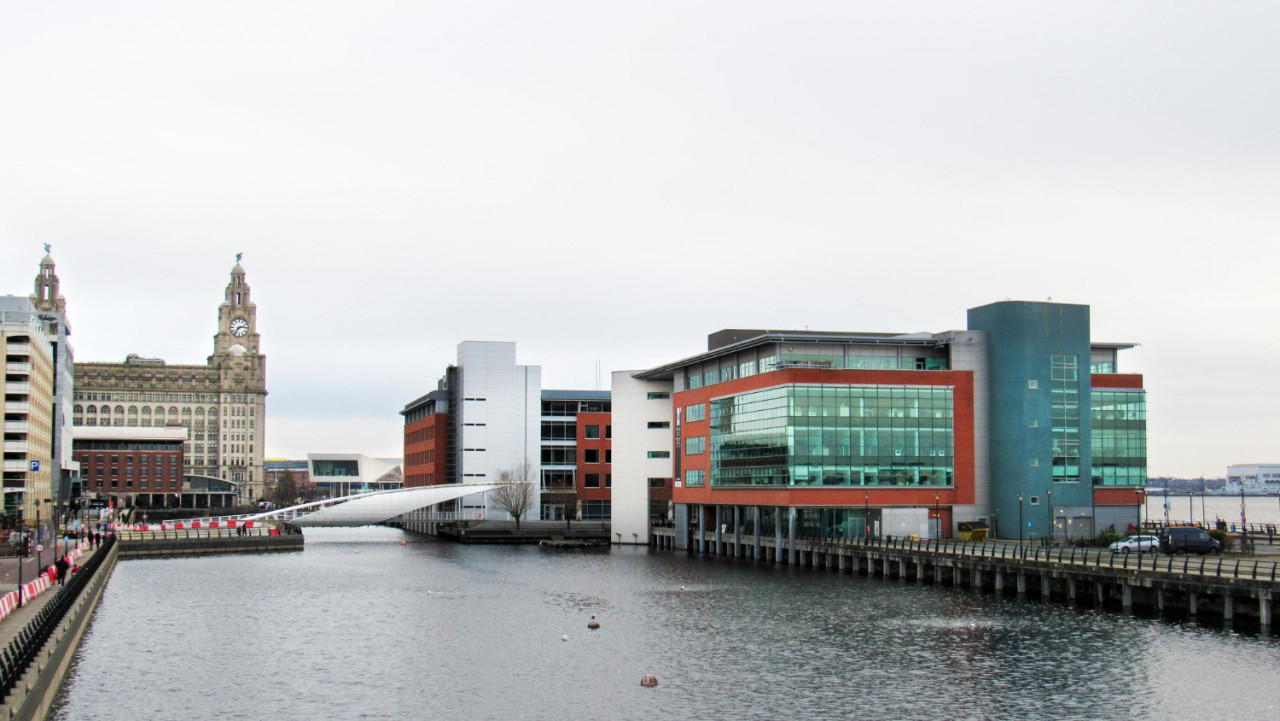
[(1223, 537)]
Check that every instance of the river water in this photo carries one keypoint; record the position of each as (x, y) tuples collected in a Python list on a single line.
[(358, 626)]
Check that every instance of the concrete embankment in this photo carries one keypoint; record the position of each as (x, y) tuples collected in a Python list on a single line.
[(35, 692), (170, 547)]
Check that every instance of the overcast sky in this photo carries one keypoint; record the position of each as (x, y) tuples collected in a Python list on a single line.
[(609, 181)]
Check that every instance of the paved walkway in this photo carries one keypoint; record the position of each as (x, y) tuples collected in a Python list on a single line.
[(14, 622)]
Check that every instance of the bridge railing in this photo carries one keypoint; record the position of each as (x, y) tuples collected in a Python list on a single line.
[(1215, 566)]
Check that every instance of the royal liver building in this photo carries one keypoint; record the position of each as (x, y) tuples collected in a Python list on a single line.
[(222, 403)]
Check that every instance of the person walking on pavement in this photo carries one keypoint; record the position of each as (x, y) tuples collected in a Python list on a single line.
[(62, 567)]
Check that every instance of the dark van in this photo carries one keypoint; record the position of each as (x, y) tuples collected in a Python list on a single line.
[(1188, 540)]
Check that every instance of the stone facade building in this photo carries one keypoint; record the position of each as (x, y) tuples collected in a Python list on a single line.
[(222, 403)]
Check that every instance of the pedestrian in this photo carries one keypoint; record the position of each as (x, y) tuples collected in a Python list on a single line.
[(62, 567)]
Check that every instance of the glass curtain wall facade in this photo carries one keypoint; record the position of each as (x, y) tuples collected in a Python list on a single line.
[(1119, 437), (816, 435), (1064, 376)]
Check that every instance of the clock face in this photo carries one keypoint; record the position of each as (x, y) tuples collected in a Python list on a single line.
[(239, 327)]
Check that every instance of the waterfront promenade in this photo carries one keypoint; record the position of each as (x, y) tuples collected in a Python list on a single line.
[(1228, 587)]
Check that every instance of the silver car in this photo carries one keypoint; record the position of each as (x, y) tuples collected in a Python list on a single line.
[(1133, 544)]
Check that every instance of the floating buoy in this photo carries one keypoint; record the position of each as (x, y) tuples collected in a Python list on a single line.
[(593, 623), (649, 681), (404, 543), (564, 638)]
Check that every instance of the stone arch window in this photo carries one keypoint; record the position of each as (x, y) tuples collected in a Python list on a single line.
[(173, 410), (119, 410)]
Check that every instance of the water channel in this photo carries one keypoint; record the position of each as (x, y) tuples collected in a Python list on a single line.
[(360, 627)]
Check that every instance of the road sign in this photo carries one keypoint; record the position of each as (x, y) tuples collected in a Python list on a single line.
[(39, 547), (35, 466)]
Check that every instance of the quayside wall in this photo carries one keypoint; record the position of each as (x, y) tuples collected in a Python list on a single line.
[(1235, 589)]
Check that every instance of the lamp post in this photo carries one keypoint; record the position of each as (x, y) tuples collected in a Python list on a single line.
[(937, 514), (1048, 531), (1019, 520), (1138, 493), (1191, 506), (1244, 528), (866, 516), (1204, 517)]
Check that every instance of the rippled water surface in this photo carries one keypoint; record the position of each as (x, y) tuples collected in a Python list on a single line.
[(360, 627)]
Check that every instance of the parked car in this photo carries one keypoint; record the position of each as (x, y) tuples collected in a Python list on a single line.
[(1135, 543), (1187, 539)]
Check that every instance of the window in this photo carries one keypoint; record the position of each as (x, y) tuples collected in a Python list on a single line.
[(659, 482), (559, 455), (695, 477), (659, 424), (608, 480), (659, 454), (695, 412), (591, 480), (1033, 384), (591, 432), (608, 455), (608, 431), (658, 395), (695, 445), (746, 369), (591, 455)]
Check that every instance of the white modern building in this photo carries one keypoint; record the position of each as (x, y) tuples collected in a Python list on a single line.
[(1254, 478), (47, 306), (28, 415), (642, 471), (342, 474), (489, 416)]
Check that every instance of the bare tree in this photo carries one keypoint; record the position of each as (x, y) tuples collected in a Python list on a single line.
[(286, 490), (567, 500), (515, 493)]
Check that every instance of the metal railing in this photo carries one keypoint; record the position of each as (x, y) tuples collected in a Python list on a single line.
[(17, 656), (1211, 566), (172, 534)]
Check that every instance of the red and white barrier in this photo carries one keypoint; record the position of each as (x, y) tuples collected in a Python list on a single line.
[(45, 581)]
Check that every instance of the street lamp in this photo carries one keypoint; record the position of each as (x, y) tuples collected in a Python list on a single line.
[(937, 514), (1138, 493), (1019, 520), (1191, 506), (866, 516), (1048, 531)]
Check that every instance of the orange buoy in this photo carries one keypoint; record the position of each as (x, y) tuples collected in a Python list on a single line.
[(404, 543), (649, 681), (593, 623)]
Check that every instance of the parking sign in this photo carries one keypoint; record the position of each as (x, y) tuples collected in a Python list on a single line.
[(35, 466)]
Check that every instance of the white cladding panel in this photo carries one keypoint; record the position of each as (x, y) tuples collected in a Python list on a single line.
[(499, 405), (632, 441), (969, 353)]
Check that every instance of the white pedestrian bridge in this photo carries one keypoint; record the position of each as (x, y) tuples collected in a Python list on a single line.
[(361, 509)]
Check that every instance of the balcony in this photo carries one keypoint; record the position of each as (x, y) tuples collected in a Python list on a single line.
[(17, 407), (15, 446), (17, 427), (18, 388), (18, 466), (23, 368)]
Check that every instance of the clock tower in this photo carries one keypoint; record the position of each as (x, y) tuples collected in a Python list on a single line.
[(242, 389)]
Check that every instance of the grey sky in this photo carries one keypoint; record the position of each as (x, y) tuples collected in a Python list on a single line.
[(613, 181)]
